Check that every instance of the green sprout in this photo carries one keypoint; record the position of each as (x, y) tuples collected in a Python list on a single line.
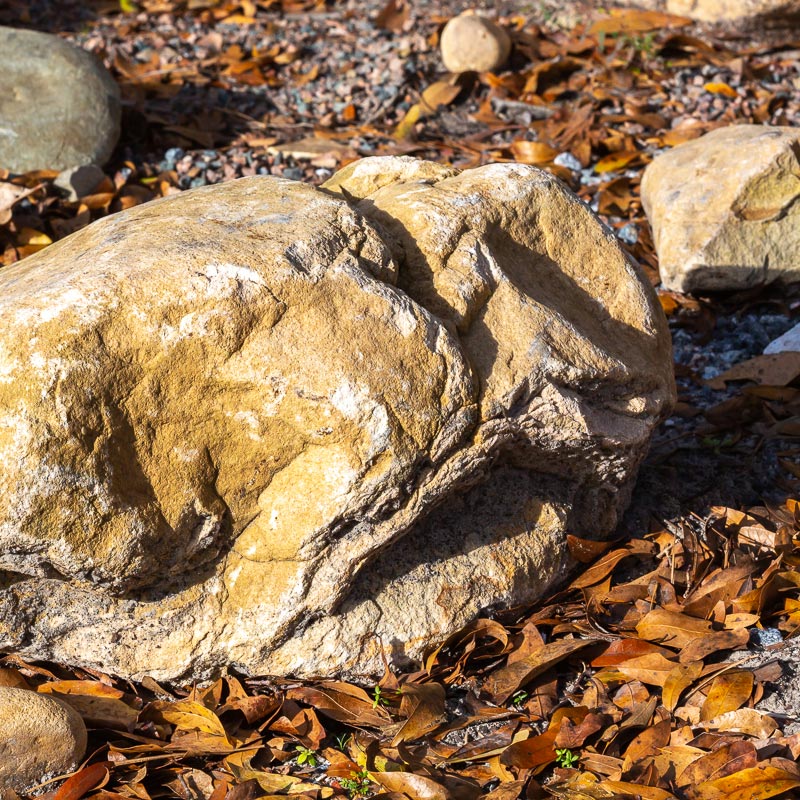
[(519, 698), (306, 756), (566, 758), (357, 785), (343, 740), (377, 698)]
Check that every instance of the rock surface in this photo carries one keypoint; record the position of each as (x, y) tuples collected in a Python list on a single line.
[(40, 738), (750, 13), (472, 43), (789, 342), (724, 209), (304, 427), (59, 107)]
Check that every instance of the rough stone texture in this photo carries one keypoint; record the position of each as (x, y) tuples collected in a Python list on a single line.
[(747, 13), (263, 426), (59, 107), (40, 738), (472, 43), (724, 209)]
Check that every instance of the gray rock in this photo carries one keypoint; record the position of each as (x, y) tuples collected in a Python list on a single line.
[(788, 343), (40, 738), (59, 107), (78, 182)]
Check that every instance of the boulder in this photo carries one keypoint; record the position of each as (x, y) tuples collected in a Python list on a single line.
[(59, 107), (288, 430), (741, 13), (472, 43), (40, 738), (723, 209)]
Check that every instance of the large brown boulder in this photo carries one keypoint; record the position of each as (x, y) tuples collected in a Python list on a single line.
[(284, 429), (724, 209)]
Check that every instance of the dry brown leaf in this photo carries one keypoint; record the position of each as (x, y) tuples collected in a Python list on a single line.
[(616, 161), (417, 787), (82, 782), (394, 16), (744, 720), (627, 789), (718, 87), (637, 21), (621, 650), (531, 753), (502, 683), (671, 628), (652, 669), (424, 706), (777, 369), (532, 152), (727, 692), (730, 757), (599, 571), (704, 646), (440, 93), (754, 783), (680, 678)]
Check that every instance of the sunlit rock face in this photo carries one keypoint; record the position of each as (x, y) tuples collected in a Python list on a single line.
[(294, 430), (724, 209)]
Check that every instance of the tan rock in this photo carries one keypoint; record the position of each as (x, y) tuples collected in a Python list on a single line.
[(472, 43), (40, 738), (747, 13), (247, 426), (723, 209), (59, 107)]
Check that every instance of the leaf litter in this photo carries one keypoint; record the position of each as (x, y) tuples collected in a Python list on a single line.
[(650, 675)]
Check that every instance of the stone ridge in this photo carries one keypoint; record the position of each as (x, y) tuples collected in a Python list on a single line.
[(220, 411)]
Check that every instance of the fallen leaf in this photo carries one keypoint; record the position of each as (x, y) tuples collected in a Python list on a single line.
[(730, 757), (680, 678), (84, 781), (744, 720), (394, 16), (754, 783), (417, 787), (720, 88), (440, 93), (616, 161), (502, 683), (532, 152), (637, 21), (727, 692), (652, 669), (671, 628), (777, 369)]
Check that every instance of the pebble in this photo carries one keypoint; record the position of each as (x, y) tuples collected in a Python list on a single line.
[(763, 637), (569, 161), (40, 738), (472, 43)]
